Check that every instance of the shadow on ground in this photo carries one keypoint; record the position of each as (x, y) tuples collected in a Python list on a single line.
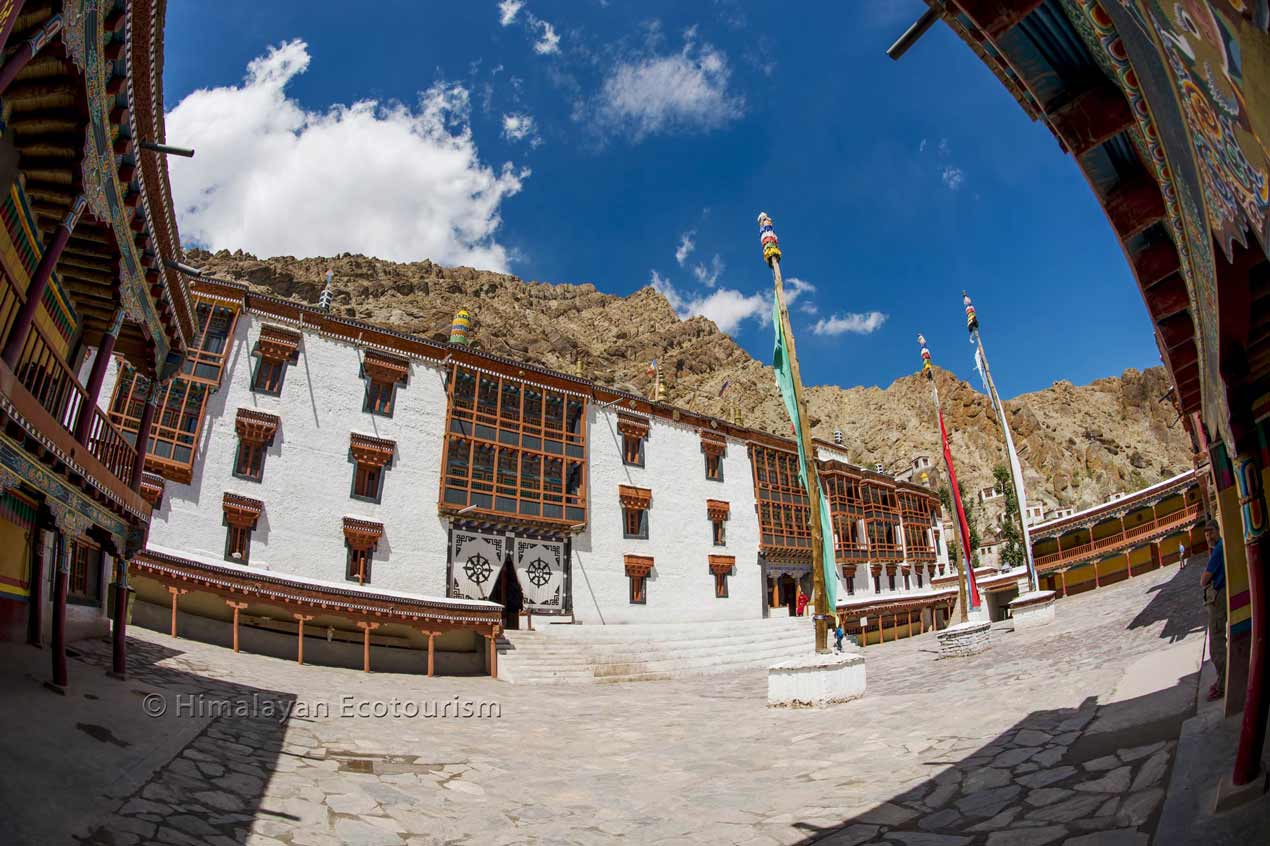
[(1162, 606)]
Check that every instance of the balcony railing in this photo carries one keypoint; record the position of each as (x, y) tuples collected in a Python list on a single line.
[(1121, 539), (44, 373)]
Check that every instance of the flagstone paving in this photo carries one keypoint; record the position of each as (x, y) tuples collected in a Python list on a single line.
[(1002, 748)]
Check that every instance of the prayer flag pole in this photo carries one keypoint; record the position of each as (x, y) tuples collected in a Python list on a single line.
[(823, 563), (966, 585), (1016, 469)]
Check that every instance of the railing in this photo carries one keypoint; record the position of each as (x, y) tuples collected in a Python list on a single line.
[(1122, 538), (43, 372)]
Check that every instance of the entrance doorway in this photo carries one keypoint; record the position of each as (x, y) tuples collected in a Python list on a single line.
[(507, 593)]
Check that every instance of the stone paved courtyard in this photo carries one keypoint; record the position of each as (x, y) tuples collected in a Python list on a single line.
[(1059, 735)]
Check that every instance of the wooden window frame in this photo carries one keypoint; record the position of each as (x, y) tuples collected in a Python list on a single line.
[(263, 376), (714, 447), (205, 358), (718, 512), (241, 516), (383, 374), (84, 585), (514, 448), (360, 559), (634, 432), (714, 468), (636, 505), (178, 421), (638, 568), (371, 457), (781, 501), (721, 567), (256, 431)]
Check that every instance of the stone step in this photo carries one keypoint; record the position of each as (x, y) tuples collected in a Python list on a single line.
[(551, 648)]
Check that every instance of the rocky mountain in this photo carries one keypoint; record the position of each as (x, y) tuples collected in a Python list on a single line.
[(1078, 444)]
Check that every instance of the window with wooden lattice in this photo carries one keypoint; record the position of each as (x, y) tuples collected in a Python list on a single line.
[(256, 431), (783, 513), (714, 446), (383, 373), (718, 512), (634, 432), (722, 566), (361, 537), (636, 503), (241, 516), (370, 456), (84, 586), (178, 420), (514, 448), (275, 349), (637, 569)]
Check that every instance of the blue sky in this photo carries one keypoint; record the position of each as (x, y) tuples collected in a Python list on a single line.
[(593, 141)]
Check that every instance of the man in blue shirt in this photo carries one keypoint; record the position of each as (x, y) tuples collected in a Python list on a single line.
[(1214, 577)]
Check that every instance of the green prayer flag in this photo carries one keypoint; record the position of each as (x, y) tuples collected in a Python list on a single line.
[(785, 381)]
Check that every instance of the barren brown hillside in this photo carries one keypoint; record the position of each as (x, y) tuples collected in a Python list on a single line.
[(1078, 444)]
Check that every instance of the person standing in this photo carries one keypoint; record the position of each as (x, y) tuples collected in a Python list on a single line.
[(838, 635), (1213, 581), (1181, 554)]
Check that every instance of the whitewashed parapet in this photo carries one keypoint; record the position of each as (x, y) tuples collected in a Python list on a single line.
[(964, 639)]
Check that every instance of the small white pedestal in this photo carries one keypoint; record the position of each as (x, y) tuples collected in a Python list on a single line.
[(964, 639), (816, 680), (1033, 609)]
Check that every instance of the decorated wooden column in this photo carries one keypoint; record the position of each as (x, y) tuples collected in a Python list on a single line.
[(366, 627), (299, 646), (493, 652), (28, 51), (176, 592), (61, 584), (25, 317), (143, 436), (1252, 510), (432, 636), (95, 378), (237, 606), (119, 654), (9, 13), (1062, 575)]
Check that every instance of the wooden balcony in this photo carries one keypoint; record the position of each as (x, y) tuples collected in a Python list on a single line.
[(1121, 540)]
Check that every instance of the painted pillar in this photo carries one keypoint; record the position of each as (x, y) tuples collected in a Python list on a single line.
[(237, 606), (493, 653), (1062, 574), (39, 281), (35, 604), (175, 593), (61, 585), (28, 51), (299, 652), (119, 662), (432, 636), (367, 628), (143, 436), (1252, 510), (96, 377)]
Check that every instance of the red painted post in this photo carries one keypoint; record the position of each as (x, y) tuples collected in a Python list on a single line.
[(28, 51), (119, 655), (143, 436), (61, 585), (1252, 731), (96, 377), (8, 17), (39, 281)]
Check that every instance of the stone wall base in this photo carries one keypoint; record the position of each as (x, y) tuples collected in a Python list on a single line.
[(964, 639), (816, 680)]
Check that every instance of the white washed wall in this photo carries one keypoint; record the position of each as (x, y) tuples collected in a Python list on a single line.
[(680, 587), (308, 473)]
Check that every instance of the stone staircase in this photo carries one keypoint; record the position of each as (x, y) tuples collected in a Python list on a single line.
[(645, 652)]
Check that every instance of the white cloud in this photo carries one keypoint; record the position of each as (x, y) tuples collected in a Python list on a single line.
[(709, 276), (382, 179), (944, 149), (795, 288), (686, 245), (507, 11), (548, 39), (654, 94), (921, 148), (855, 324), (727, 307), (521, 127), (953, 177)]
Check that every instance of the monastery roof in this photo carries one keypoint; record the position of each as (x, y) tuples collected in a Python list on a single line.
[(1114, 504)]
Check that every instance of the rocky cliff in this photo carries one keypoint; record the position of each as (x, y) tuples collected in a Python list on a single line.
[(1078, 444)]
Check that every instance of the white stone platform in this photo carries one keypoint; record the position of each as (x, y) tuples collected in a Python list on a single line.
[(964, 639), (815, 680), (1033, 609)]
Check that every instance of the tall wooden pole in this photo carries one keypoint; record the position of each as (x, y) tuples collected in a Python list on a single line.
[(820, 598), (972, 324), (964, 565)]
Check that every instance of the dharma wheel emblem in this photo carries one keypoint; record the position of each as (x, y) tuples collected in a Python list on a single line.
[(539, 572), (477, 569)]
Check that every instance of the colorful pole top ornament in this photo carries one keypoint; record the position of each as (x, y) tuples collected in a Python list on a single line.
[(926, 368), (324, 301), (972, 322), (461, 328), (767, 236)]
